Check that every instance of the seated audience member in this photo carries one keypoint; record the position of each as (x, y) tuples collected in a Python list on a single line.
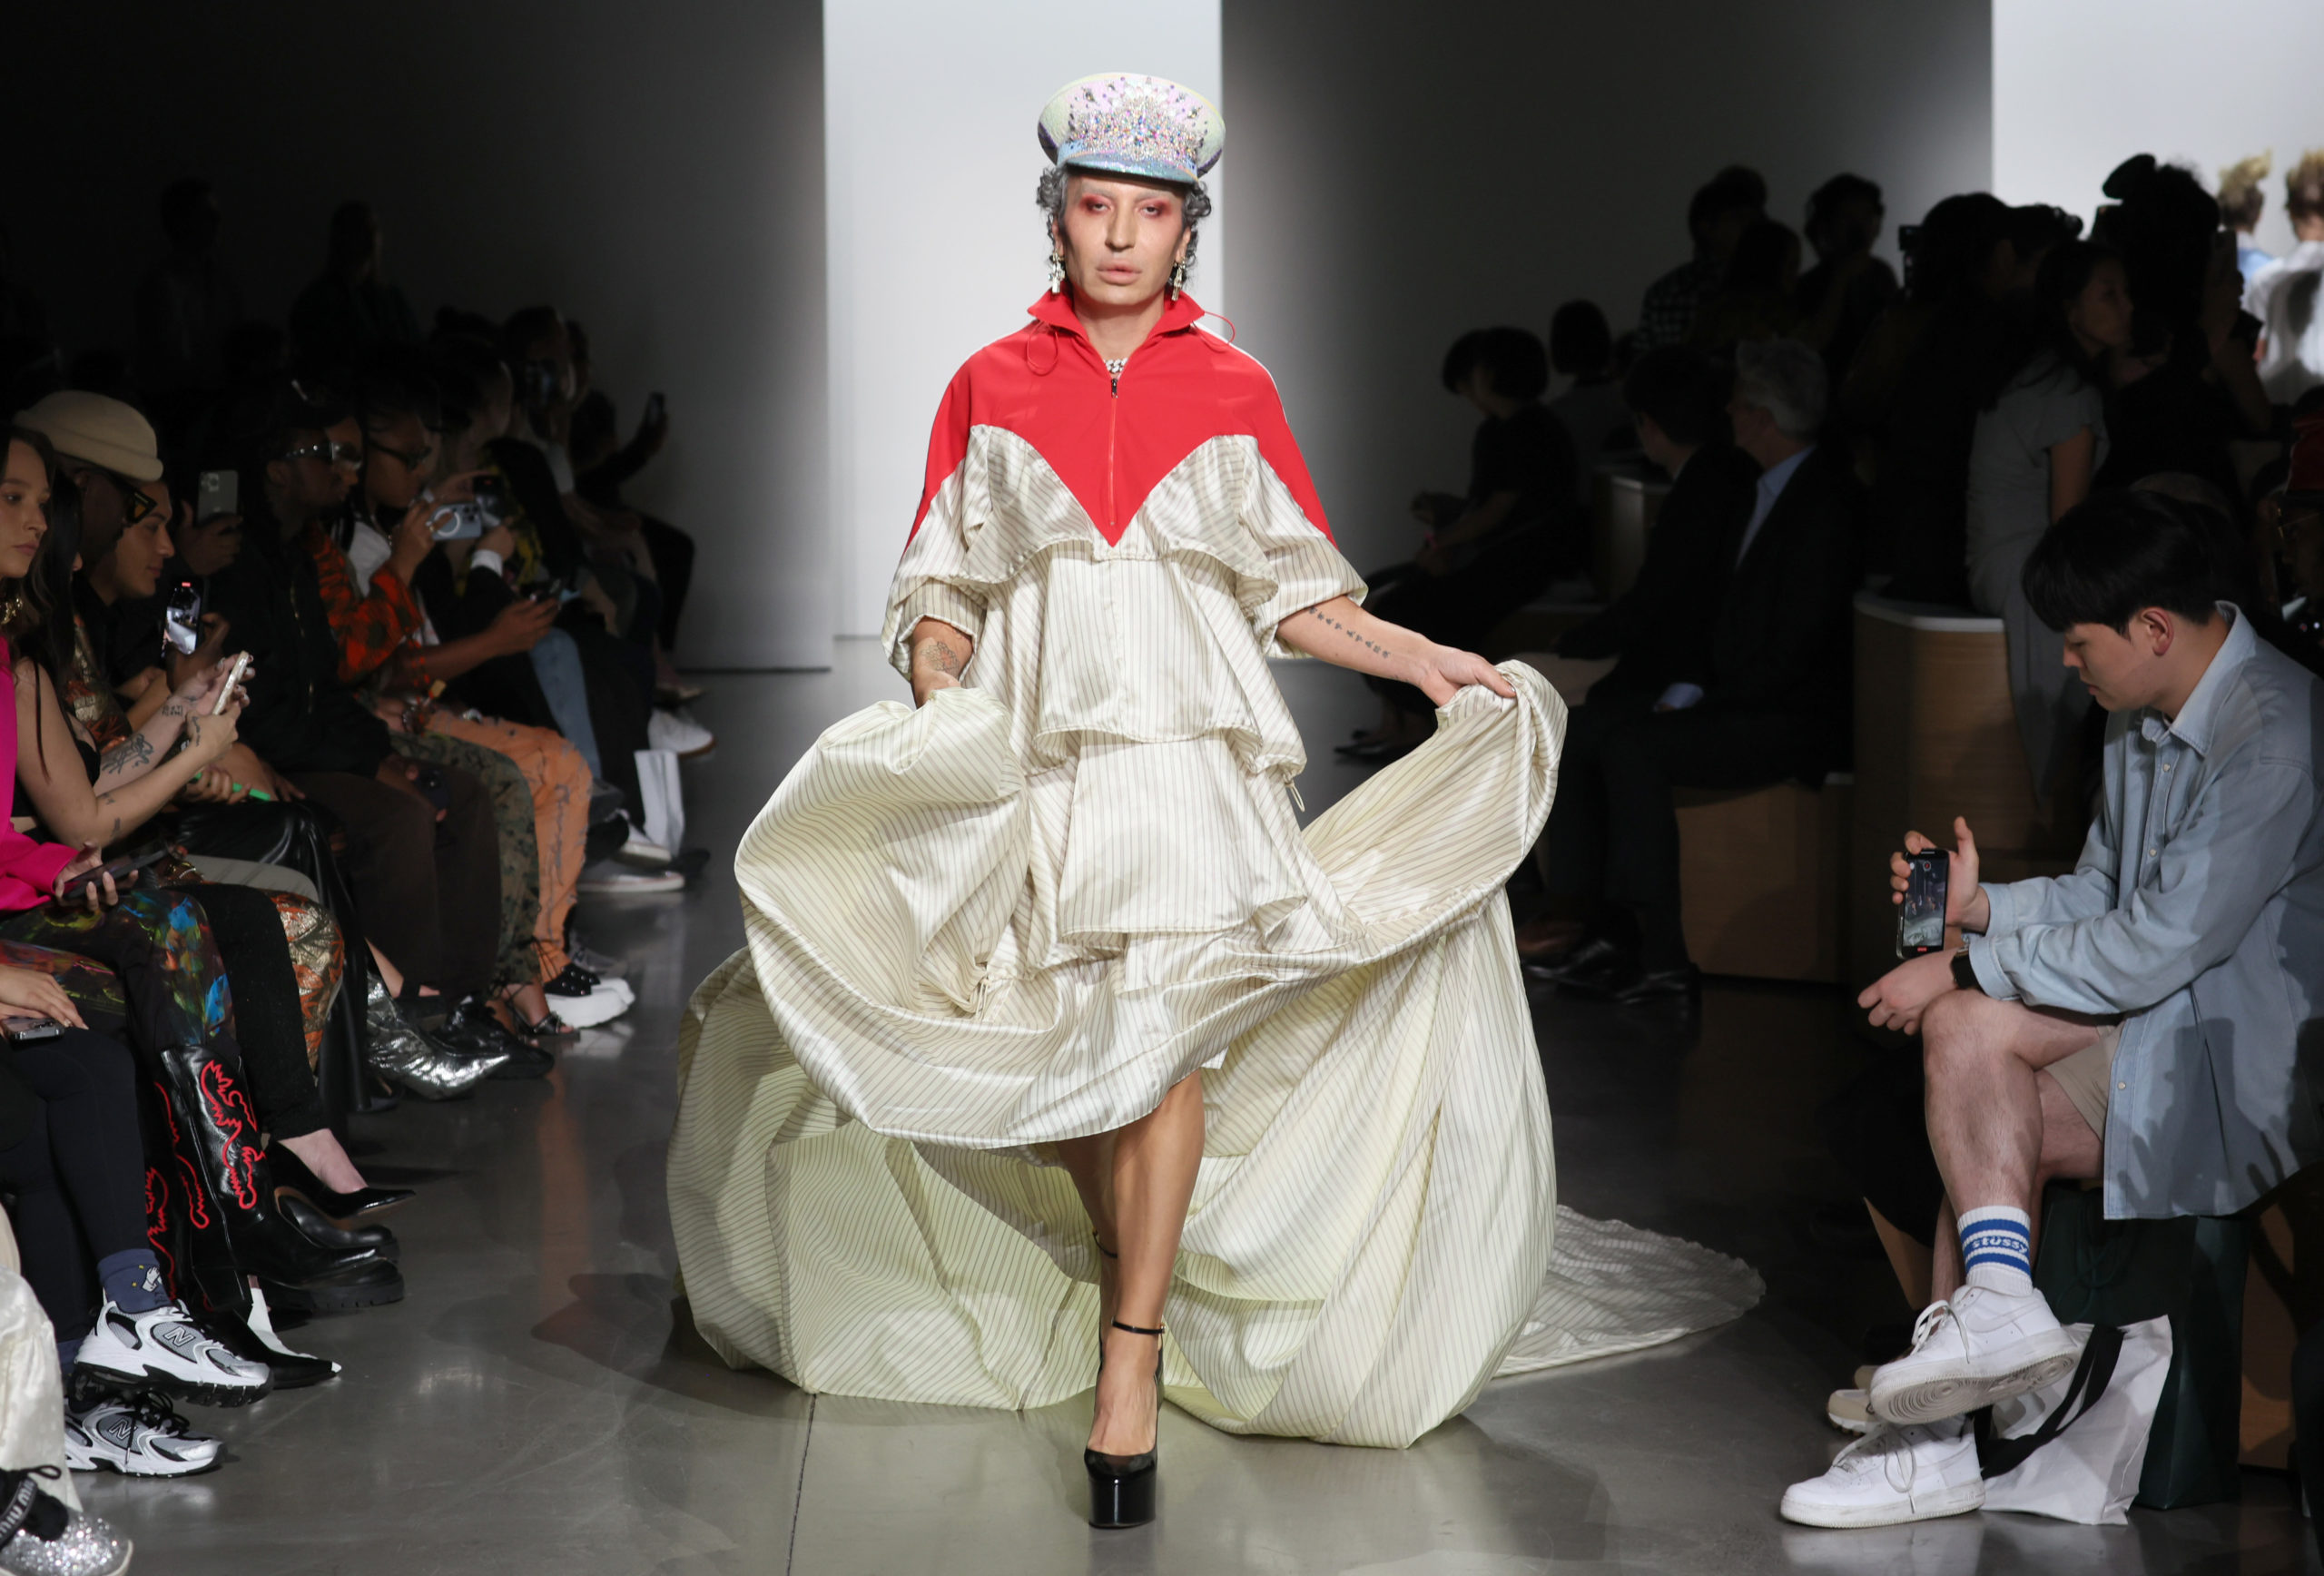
[(350, 309), (1839, 298), (72, 1157), (2041, 439), (2284, 295), (1915, 387), (188, 303), (1755, 295), (1655, 631), (2188, 384), (603, 464), (1490, 551), (1726, 206), (1765, 700), (1581, 348), (539, 782), (2242, 200), (2139, 1021), (425, 869)]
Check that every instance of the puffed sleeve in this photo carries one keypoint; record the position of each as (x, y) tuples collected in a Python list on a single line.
[(1285, 521), (932, 580)]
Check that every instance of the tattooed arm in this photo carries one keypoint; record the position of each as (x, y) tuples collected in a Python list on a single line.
[(1340, 632), (939, 655), (158, 732), (50, 771)]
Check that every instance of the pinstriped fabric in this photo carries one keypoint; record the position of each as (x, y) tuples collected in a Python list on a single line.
[(1023, 912)]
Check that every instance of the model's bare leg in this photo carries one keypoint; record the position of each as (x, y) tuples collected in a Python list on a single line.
[(1154, 1161), (2001, 1128), (1090, 1163)]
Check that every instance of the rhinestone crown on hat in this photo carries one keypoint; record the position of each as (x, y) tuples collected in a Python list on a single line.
[(1137, 125)]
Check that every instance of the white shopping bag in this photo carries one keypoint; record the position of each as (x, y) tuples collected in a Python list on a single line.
[(2074, 1449), (665, 805)]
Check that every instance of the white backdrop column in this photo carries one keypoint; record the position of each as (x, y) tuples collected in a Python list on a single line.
[(933, 243)]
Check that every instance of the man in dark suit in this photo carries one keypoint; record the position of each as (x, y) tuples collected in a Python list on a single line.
[(1764, 700), (1657, 630)]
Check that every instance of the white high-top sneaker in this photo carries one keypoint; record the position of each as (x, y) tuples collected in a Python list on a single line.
[(1978, 1348), (164, 1350), (1894, 1473)]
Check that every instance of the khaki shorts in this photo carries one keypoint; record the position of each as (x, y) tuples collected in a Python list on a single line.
[(2088, 1076)]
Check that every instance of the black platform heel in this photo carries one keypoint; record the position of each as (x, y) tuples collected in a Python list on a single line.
[(1122, 1487)]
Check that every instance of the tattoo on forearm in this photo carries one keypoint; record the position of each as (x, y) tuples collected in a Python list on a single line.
[(134, 751), (942, 658), (1317, 615)]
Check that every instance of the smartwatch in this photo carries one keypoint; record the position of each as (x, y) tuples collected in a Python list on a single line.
[(1963, 975)]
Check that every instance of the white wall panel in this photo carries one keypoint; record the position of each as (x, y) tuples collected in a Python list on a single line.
[(2079, 85)]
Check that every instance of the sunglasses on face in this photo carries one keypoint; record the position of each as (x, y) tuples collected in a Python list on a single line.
[(331, 452), (410, 459)]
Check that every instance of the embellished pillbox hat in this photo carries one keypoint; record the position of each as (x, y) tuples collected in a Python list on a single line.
[(1133, 125)]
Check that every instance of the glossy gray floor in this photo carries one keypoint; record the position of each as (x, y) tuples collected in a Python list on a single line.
[(530, 1407)]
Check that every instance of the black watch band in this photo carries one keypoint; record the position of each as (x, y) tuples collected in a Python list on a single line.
[(1963, 975)]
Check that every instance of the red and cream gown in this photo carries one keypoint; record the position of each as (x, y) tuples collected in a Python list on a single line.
[(1023, 912)]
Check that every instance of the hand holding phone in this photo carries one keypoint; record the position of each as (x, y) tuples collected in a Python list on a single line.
[(1920, 919), (233, 682)]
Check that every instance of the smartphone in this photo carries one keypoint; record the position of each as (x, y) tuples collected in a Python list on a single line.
[(121, 870), (431, 782), (181, 618), (218, 493), (1920, 923), (654, 409), (25, 1031), (241, 666)]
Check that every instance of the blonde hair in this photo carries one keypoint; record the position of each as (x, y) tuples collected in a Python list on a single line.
[(2240, 197), (2304, 186)]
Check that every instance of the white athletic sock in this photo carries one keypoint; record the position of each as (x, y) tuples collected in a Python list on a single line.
[(1997, 1248)]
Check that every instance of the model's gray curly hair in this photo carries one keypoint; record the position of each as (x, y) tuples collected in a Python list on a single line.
[(1049, 197)]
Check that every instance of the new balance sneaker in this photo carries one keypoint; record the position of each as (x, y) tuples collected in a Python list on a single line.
[(606, 879), (136, 1437), (1908, 1473), (674, 729), (41, 1535), (1851, 1409), (165, 1350), (1978, 1348)]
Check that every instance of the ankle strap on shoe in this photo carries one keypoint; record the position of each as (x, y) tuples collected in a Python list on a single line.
[(1136, 1329), (1101, 1247)]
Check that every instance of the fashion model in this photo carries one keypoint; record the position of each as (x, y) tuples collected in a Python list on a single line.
[(1059, 1049)]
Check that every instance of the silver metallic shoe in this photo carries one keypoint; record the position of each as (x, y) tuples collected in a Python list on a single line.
[(407, 1059), (40, 1535)]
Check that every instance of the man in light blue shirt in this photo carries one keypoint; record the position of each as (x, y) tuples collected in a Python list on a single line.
[(2145, 1020)]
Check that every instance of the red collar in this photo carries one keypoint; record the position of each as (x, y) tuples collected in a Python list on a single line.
[(1055, 308)]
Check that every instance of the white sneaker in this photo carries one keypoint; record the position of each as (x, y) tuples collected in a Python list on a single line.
[(1851, 1409), (164, 1350), (675, 730), (606, 879), (597, 962), (137, 1436), (641, 851), (1908, 1473), (1980, 1347)]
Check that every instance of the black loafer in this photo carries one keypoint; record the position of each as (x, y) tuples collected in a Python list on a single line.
[(1583, 964), (1652, 985)]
